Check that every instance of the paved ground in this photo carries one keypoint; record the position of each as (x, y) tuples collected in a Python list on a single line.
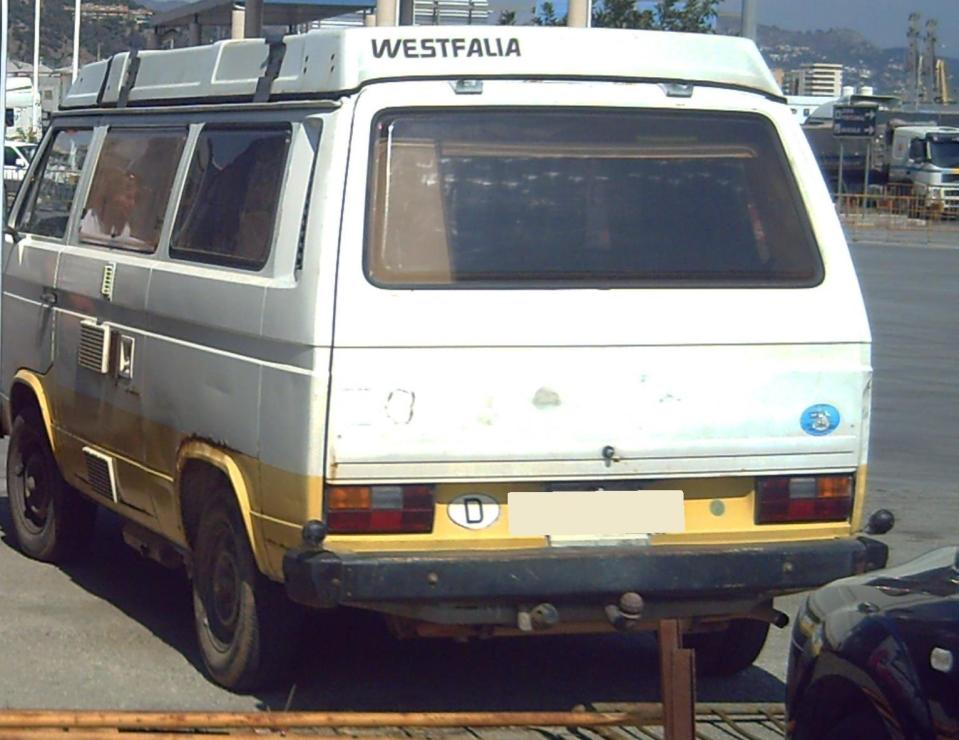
[(117, 632)]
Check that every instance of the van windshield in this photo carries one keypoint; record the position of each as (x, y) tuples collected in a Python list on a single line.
[(584, 198)]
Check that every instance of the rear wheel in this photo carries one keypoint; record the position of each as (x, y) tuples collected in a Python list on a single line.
[(729, 650), (51, 521), (246, 627)]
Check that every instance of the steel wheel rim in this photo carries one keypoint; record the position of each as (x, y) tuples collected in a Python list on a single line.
[(224, 589), (37, 497)]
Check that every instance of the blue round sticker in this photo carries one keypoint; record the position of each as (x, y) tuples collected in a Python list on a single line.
[(820, 420)]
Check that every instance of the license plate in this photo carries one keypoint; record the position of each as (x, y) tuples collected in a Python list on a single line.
[(602, 514)]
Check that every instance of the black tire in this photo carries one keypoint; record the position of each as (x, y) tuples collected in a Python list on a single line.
[(51, 521), (862, 724), (246, 627), (729, 650)]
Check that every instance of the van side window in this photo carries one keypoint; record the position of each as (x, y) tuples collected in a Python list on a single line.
[(47, 209), (228, 208), (131, 187)]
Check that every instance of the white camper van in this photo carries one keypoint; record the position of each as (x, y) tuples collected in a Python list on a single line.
[(489, 330)]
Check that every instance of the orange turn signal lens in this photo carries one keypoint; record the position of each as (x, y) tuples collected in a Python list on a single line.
[(348, 497), (834, 486)]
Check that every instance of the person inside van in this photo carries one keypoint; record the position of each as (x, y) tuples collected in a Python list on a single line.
[(109, 207)]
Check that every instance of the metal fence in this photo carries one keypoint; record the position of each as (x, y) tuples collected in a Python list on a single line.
[(891, 217)]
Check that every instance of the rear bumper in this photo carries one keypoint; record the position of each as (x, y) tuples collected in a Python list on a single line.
[(582, 574)]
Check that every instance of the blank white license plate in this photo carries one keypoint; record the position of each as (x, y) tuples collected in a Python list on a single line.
[(595, 513)]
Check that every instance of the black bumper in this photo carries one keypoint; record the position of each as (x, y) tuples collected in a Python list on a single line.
[(325, 579)]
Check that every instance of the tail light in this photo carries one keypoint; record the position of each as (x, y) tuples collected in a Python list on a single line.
[(822, 498), (379, 509)]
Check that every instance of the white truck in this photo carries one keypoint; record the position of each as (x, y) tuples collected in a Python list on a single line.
[(926, 157)]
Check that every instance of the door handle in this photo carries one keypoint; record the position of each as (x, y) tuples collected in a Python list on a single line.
[(48, 298)]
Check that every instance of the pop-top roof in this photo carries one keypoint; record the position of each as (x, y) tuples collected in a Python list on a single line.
[(327, 61)]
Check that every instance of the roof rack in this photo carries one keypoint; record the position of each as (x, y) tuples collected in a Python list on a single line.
[(326, 62)]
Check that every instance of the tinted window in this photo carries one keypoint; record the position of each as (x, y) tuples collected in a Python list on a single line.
[(51, 196), (228, 209), (596, 197), (945, 152), (131, 188)]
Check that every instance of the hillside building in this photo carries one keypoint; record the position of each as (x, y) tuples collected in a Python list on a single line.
[(817, 79)]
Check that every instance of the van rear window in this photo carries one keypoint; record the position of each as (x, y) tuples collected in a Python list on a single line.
[(589, 198)]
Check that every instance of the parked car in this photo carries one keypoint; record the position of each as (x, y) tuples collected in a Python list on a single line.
[(877, 656), (17, 156)]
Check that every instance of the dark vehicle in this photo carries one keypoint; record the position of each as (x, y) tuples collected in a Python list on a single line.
[(877, 656)]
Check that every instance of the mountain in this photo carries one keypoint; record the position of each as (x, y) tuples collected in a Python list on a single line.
[(110, 26), (161, 6), (863, 62), (106, 27)]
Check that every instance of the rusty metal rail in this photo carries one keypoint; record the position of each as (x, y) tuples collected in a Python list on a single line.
[(739, 721), (898, 218)]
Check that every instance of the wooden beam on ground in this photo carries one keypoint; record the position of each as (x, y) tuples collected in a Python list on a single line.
[(19, 720)]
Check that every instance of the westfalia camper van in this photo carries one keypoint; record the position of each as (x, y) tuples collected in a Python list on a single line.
[(489, 330)]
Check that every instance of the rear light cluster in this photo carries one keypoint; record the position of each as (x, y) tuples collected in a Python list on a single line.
[(379, 509), (822, 498)]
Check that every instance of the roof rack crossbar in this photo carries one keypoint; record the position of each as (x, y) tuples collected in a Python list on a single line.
[(133, 67), (274, 61)]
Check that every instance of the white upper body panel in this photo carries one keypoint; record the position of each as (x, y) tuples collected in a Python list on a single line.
[(440, 383), (831, 312), (330, 61)]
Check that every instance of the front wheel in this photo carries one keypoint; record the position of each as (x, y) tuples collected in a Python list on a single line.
[(51, 521), (729, 650), (246, 627)]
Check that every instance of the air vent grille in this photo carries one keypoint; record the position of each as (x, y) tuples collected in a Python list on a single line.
[(94, 351), (101, 474), (106, 284)]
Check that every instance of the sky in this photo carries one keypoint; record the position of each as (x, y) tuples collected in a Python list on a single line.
[(882, 22)]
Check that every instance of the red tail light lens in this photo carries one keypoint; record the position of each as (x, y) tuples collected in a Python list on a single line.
[(379, 509), (822, 498)]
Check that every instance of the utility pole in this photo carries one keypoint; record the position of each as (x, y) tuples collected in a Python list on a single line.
[(36, 69), (749, 20), (76, 39), (929, 60), (913, 58), (4, 21)]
